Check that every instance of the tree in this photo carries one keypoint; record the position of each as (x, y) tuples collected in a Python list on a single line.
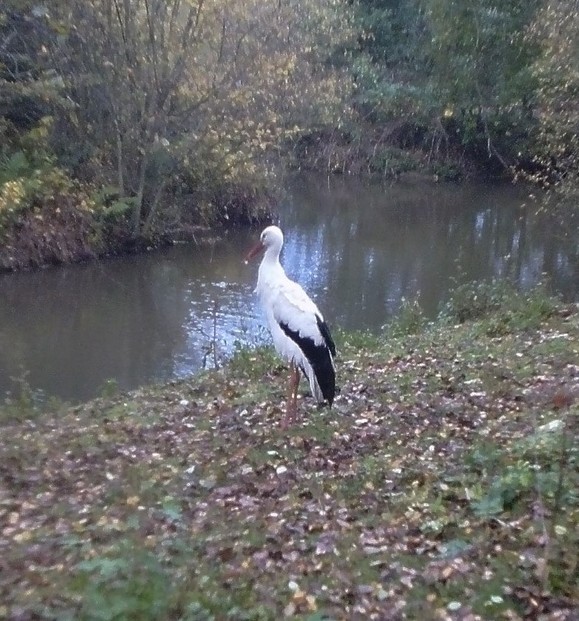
[(556, 30), (459, 74), (173, 92), (389, 58), (481, 71), (29, 88)]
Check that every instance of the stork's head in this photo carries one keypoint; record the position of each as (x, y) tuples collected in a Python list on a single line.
[(271, 237)]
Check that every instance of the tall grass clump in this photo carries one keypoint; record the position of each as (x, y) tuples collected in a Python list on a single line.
[(499, 306)]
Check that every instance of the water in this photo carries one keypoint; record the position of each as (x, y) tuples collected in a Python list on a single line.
[(358, 248)]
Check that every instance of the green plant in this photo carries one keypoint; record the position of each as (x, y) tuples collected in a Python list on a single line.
[(391, 162), (130, 583), (109, 388), (474, 300), (23, 402), (447, 171), (356, 339), (500, 305), (410, 319), (505, 490), (14, 166), (253, 362)]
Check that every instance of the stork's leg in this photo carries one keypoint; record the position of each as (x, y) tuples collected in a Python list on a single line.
[(294, 382)]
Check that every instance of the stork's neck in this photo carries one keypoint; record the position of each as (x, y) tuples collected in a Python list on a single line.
[(271, 255), (270, 269)]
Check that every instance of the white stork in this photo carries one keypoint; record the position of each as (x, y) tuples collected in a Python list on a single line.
[(299, 331)]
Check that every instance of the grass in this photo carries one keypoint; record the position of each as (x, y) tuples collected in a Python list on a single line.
[(442, 485)]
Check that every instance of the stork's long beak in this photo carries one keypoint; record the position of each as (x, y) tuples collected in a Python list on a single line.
[(253, 252)]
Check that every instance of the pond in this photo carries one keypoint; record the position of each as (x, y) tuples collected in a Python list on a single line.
[(357, 247)]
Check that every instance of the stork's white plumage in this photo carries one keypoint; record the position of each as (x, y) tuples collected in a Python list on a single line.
[(299, 331)]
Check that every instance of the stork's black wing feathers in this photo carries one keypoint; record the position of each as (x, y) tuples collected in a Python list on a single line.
[(325, 332), (319, 356)]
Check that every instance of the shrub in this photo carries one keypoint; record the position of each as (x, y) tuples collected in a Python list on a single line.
[(410, 319), (500, 305)]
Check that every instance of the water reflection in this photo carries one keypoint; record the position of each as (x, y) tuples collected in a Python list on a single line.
[(136, 320), (377, 244), (358, 248)]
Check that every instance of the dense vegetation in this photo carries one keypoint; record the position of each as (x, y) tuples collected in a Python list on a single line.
[(443, 484), (151, 117), (123, 122)]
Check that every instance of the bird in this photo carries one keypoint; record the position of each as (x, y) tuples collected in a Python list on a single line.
[(299, 332)]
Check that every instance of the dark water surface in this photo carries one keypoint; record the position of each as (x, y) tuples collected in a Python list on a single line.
[(358, 248)]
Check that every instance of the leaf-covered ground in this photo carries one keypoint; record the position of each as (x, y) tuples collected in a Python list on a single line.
[(442, 485)]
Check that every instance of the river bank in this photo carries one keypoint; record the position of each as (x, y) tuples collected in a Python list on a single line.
[(151, 317), (63, 226), (44, 225), (442, 485), (72, 228)]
